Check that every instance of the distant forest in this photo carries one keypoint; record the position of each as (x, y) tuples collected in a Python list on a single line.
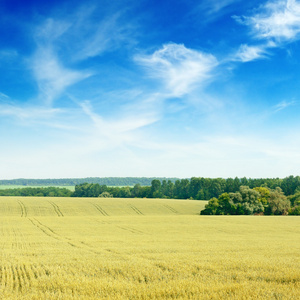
[(109, 181), (197, 188)]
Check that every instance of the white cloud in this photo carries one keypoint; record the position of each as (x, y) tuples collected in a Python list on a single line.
[(180, 68), (52, 30), (283, 104), (248, 53), (214, 9), (278, 20), (215, 6), (107, 35), (88, 38), (120, 131), (28, 112), (73, 39), (3, 96), (51, 76)]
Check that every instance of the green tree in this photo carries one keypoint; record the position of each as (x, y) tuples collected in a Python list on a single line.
[(211, 208), (195, 186), (164, 189), (170, 189), (295, 211), (184, 189), (156, 188), (106, 195), (221, 206), (230, 186), (247, 201), (217, 187), (137, 190), (278, 203), (295, 199), (264, 193), (226, 205)]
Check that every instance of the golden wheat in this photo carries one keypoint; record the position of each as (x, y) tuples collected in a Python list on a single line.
[(68, 248)]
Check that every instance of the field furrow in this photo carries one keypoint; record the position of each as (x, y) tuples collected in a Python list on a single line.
[(34, 272), (51, 233), (44, 229), (56, 209), (23, 209), (136, 210), (171, 209), (132, 230), (100, 209), (26, 275)]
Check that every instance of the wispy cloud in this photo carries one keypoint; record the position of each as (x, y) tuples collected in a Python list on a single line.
[(8, 54), (31, 113), (63, 43), (108, 35), (283, 104), (277, 20), (90, 35), (214, 9), (51, 30), (215, 6), (249, 53), (180, 68), (3, 96), (120, 131), (51, 76)]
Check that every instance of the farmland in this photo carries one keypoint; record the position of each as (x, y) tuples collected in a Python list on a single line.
[(92, 248)]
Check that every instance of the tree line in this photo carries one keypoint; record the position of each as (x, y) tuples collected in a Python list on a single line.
[(110, 181), (236, 196), (37, 192), (197, 188)]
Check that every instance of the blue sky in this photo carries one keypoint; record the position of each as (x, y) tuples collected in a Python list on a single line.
[(149, 88)]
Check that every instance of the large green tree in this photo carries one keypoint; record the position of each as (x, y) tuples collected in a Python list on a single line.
[(278, 204)]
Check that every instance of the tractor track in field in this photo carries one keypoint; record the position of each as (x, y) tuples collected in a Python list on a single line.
[(23, 209), (56, 209), (51, 233), (136, 210), (100, 209), (130, 229), (46, 230), (171, 209), (126, 228)]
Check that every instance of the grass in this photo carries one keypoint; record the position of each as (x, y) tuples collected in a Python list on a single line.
[(69, 248)]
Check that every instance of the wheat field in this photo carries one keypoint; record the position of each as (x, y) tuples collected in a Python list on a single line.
[(69, 248)]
